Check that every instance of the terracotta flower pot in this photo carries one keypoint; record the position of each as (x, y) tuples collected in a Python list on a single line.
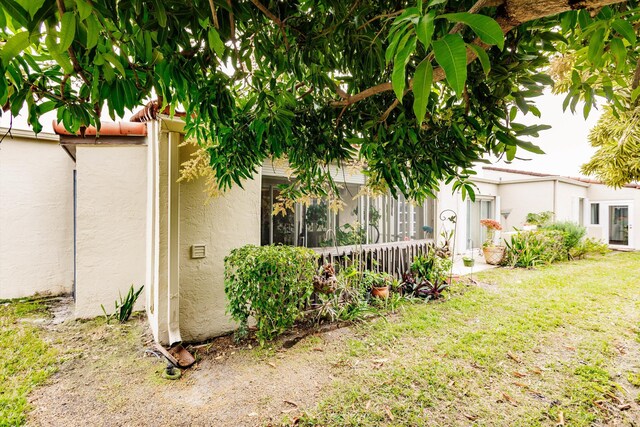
[(382, 293), (493, 254)]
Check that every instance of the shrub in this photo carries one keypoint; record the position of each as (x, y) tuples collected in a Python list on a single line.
[(270, 283), (371, 279), (573, 233), (532, 248), (589, 246), (349, 302), (540, 219), (428, 275)]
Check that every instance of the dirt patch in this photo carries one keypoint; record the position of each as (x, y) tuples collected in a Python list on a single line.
[(109, 379)]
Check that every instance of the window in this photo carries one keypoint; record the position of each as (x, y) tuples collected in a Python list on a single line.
[(595, 213)]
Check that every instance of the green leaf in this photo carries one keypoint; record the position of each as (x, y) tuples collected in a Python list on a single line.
[(595, 47), (435, 2), (482, 56), (215, 42), (33, 6), (625, 29), (618, 51), (84, 9), (485, 27), (16, 44), (93, 31), (115, 62), (15, 11), (422, 81), (67, 30), (529, 146), (399, 66), (161, 13), (61, 57), (451, 54), (425, 27)]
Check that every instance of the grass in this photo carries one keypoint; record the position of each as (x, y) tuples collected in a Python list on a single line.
[(26, 360), (538, 347)]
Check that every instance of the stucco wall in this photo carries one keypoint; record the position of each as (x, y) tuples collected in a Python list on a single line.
[(111, 225), (36, 217), (567, 196), (221, 224), (602, 194), (525, 197)]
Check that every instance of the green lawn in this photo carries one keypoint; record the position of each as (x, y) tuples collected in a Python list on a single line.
[(25, 359), (535, 347)]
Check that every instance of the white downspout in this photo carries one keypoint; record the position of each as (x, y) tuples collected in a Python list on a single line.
[(173, 282)]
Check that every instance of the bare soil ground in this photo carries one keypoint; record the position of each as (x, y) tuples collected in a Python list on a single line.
[(109, 379)]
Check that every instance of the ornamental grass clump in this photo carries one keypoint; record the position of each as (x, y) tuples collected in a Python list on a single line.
[(272, 284)]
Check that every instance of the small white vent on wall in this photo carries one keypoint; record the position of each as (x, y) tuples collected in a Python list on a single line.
[(198, 251)]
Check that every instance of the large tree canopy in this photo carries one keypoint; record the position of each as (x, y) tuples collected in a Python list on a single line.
[(415, 92)]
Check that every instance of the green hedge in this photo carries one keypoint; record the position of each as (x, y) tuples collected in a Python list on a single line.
[(272, 284)]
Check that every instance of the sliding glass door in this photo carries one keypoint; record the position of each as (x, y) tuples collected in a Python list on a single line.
[(476, 211), (619, 225)]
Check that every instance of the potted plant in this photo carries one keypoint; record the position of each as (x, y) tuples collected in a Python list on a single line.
[(468, 261), (379, 283), (493, 254)]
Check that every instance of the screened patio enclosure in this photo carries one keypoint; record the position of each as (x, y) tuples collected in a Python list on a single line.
[(363, 219)]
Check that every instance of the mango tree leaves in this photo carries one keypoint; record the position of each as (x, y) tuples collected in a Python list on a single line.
[(485, 27), (451, 54), (422, 81)]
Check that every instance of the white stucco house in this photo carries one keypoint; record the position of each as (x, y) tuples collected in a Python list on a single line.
[(92, 216)]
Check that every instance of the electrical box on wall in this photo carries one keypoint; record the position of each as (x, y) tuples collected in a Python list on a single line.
[(198, 251)]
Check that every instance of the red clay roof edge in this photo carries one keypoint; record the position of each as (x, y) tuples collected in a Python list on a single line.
[(106, 129)]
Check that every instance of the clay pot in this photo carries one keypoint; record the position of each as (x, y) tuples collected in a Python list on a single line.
[(382, 293), (493, 254)]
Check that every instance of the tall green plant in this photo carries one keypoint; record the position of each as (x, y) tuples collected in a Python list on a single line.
[(123, 307), (272, 284)]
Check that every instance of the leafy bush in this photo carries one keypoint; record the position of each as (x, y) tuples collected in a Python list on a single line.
[(540, 219), (428, 275), (371, 279), (123, 306), (349, 302), (270, 283), (532, 248), (573, 233), (589, 246)]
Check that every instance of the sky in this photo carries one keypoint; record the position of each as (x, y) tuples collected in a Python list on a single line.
[(565, 144)]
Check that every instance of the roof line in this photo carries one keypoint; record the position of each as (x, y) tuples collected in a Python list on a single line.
[(539, 174)]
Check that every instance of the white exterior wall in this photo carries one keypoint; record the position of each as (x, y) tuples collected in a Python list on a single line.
[(567, 199), (36, 216), (111, 225), (221, 224), (602, 194), (523, 198), (453, 201)]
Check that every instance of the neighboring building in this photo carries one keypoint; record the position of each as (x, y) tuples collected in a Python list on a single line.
[(100, 214)]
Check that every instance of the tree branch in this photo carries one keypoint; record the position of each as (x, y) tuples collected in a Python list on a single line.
[(72, 55), (274, 18), (636, 76), (214, 15), (516, 12)]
